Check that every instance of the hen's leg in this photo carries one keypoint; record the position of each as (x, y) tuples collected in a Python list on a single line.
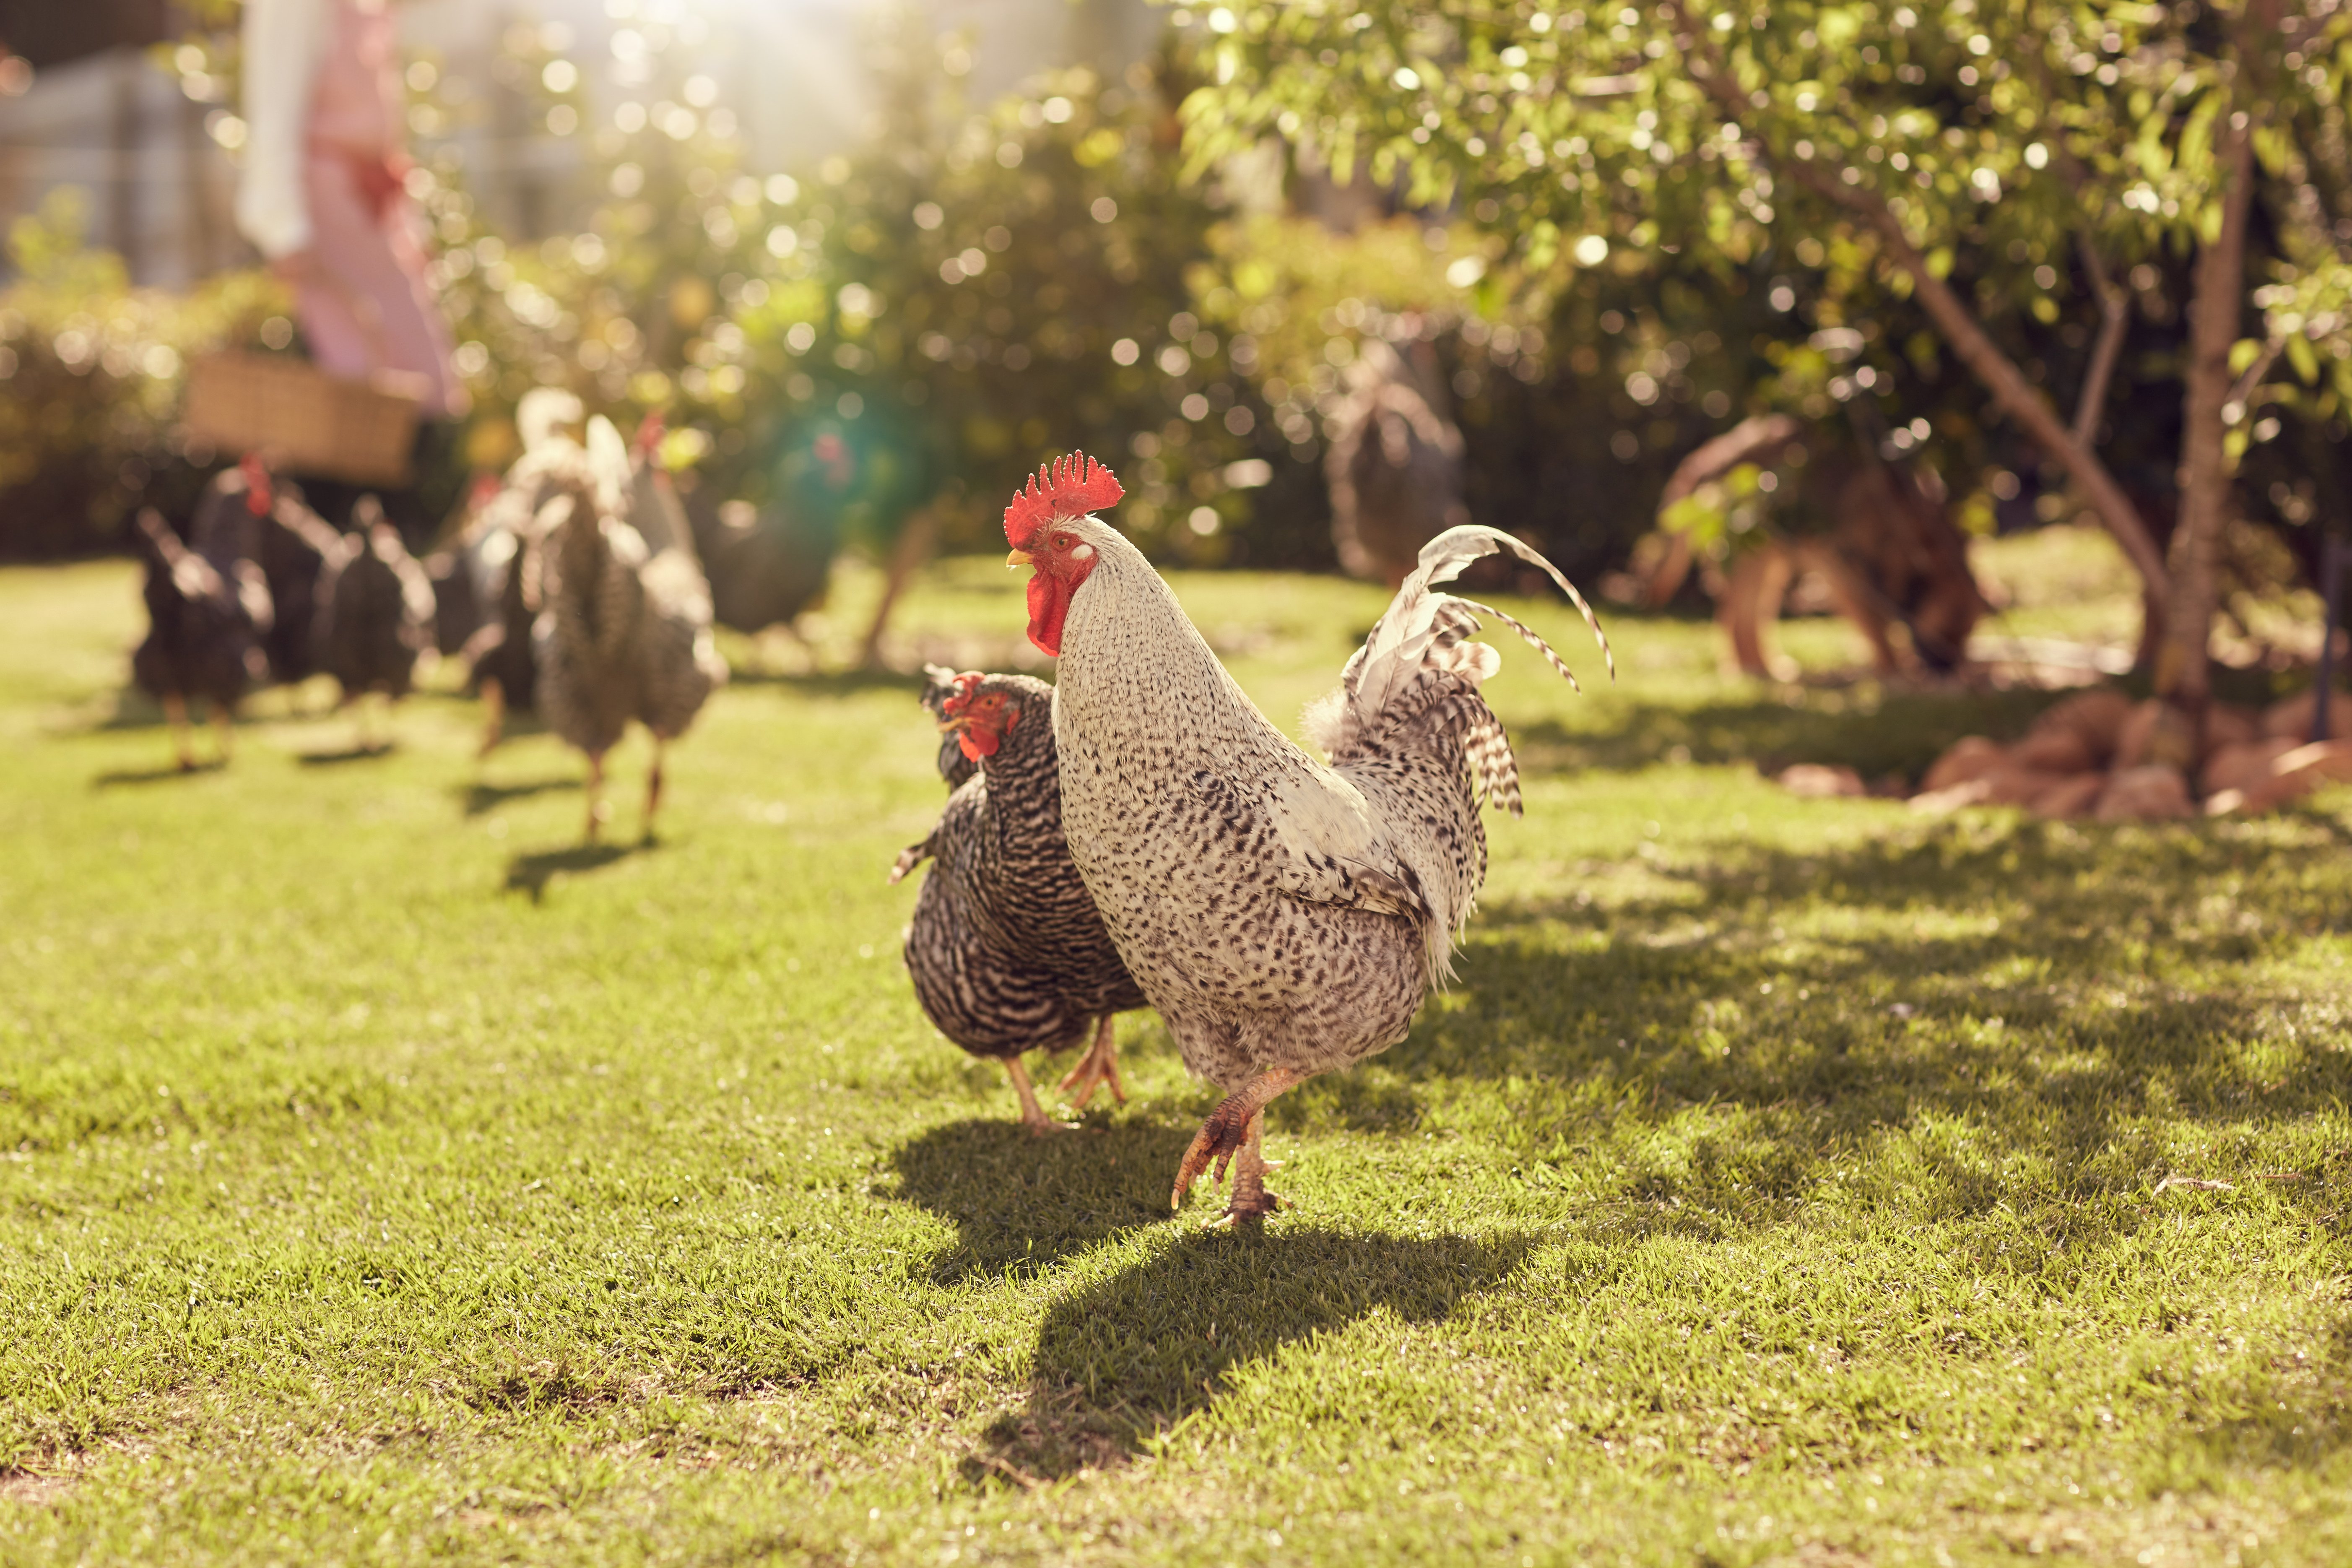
[(1228, 1132), (493, 714), (597, 810), (1032, 1115), (1099, 1065), (175, 714), (653, 789), (223, 730)]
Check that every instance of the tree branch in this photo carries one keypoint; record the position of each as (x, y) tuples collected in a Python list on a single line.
[(2114, 317), (1994, 369)]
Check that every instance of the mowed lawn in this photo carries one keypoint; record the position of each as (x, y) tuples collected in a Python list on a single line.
[(385, 1178)]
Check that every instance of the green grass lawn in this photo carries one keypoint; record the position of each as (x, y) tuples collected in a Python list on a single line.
[(385, 1178)]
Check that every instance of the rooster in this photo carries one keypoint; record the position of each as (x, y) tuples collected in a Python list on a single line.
[(1006, 950), (376, 613), (624, 633), (204, 627), (1285, 916)]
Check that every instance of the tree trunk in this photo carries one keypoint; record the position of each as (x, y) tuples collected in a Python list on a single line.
[(2183, 666)]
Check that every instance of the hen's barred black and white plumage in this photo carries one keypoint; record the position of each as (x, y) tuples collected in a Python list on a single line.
[(1007, 952)]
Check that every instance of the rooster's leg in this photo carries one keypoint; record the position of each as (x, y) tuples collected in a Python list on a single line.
[(223, 730), (1231, 1129), (1250, 1201), (1032, 1115), (493, 714), (175, 714), (1099, 1065)]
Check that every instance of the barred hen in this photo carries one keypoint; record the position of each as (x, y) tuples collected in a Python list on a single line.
[(1285, 916), (376, 613), (955, 764), (622, 635), (204, 634), (1007, 952)]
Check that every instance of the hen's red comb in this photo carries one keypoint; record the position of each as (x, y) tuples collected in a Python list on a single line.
[(649, 433), (965, 685), (1068, 486)]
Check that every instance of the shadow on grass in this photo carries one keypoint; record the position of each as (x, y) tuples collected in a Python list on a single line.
[(1876, 730), (169, 773), (2017, 1013), (531, 873), (479, 798), (1019, 1201), (354, 753), (830, 683), (1124, 1360)]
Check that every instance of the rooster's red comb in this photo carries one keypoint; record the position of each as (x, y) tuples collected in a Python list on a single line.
[(965, 685), (1068, 487), (258, 497)]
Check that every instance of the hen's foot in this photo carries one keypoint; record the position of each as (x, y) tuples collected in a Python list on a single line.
[(1227, 1129), (1248, 1209), (1099, 1067), (1032, 1115)]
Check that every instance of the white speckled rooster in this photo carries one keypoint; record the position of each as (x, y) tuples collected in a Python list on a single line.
[(1284, 916)]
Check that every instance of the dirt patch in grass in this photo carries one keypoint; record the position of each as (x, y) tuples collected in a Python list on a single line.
[(26, 1489)]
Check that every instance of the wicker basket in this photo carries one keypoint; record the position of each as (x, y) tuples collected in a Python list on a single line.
[(306, 421)]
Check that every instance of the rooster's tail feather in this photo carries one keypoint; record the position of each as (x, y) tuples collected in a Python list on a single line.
[(1425, 632)]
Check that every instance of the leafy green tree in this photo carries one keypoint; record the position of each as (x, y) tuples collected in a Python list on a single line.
[(1987, 160)]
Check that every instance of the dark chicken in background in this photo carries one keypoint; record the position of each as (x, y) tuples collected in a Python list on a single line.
[(375, 614), (246, 513), (1007, 951), (204, 634)]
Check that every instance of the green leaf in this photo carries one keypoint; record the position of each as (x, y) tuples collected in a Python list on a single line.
[(2299, 352)]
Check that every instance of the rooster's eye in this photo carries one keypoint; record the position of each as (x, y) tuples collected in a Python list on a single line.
[(1061, 541)]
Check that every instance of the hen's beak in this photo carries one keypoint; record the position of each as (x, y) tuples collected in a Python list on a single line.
[(956, 724), (1020, 558)]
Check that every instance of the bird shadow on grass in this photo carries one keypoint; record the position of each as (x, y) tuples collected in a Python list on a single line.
[(530, 873), (830, 683), (336, 759), (168, 773), (479, 798), (1021, 1202), (1123, 1361)]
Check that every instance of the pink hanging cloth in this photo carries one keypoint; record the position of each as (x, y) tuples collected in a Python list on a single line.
[(324, 195)]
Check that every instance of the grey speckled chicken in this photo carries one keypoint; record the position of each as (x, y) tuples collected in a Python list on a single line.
[(375, 612), (204, 633), (1395, 467), (1285, 916), (622, 634), (1007, 952)]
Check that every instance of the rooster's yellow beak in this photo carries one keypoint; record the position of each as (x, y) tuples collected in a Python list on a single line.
[(1020, 558)]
